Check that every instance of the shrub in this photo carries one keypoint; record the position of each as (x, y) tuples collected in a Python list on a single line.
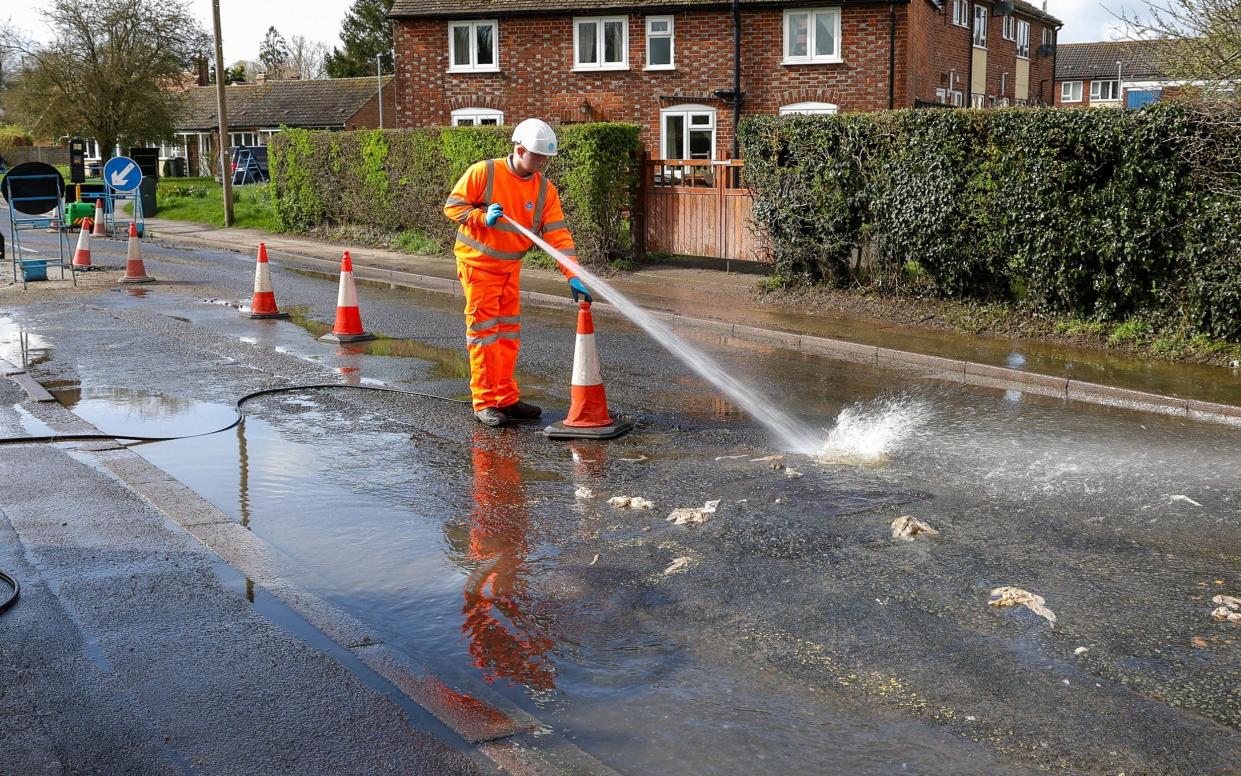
[(1096, 214), (397, 180)]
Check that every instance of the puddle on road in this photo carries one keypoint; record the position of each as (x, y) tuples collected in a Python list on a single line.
[(20, 347), (449, 362), (116, 410)]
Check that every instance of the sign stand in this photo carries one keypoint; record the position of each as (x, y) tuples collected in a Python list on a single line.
[(36, 196), (122, 178)]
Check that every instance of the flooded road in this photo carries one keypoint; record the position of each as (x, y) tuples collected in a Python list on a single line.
[(789, 632)]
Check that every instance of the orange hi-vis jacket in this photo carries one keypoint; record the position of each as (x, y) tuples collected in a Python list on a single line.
[(533, 202)]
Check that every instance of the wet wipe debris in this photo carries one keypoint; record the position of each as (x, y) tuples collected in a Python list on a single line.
[(1229, 609), (1186, 499), (1015, 596), (678, 564), (583, 492), (631, 502), (907, 528), (693, 515)]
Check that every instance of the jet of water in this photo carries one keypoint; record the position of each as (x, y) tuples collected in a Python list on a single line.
[(792, 434)]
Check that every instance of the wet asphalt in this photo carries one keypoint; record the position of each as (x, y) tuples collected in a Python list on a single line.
[(799, 637)]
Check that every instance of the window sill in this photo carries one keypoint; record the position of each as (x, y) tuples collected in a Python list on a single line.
[(824, 61), (980, 48), (660, 67), (596, 69), (1026, 57), (468, 70)]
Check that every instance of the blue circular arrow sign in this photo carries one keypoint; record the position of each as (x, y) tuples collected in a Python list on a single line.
[(122, 174)]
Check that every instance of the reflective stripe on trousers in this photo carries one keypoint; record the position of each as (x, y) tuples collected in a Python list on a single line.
[(492, 332)]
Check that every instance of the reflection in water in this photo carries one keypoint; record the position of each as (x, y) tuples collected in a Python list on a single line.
[(505, 639)]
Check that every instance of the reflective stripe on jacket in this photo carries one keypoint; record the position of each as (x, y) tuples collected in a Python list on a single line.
[(532, 201)]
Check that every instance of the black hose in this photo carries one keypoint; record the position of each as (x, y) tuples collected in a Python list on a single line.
[(240, 416), (17, 590)]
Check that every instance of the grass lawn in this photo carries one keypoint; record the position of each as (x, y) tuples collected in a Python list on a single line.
[(202, 200)]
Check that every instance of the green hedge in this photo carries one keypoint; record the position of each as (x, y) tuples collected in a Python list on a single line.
[(397, 180), (1089, 212)]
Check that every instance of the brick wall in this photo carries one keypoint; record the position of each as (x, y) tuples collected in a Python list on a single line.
[(367, 116), (945, 54), (536, 75)]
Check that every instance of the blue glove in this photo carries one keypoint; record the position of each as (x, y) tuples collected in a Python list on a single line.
[(494, 211), (579, 289)]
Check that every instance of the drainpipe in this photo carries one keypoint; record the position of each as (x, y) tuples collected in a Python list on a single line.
[(891, 56), (969, 78), (736, 77), (1055, 55)]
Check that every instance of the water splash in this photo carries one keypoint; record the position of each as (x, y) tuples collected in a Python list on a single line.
[(869, 433), (792, 434)]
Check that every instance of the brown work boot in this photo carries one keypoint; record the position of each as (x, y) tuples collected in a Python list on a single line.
[(520, 410), (490, 416)]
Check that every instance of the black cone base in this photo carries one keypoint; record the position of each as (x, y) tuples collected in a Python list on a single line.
[(559, 430), (347, 337)]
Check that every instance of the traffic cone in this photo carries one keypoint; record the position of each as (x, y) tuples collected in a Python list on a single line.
[(348, 326), (588, 410), (100, 229), (263, 303), (135, 272), (81, 256)]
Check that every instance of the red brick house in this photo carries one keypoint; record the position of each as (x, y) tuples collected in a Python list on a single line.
[(675, 66), (1112, 74)]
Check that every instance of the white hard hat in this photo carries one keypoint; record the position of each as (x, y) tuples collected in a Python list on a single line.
[(535, 135)]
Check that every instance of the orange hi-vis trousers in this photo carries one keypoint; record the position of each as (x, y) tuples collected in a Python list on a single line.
[(492, 332)]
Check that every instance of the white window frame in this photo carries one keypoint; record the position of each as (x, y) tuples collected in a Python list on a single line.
[(1023, 39), (1009, 29), (811, 58), (981, 16), (1070, 88), (809, 109), (1047, 36), (475, 117), (672, 42), (600, 22), (961, 13), (473, 66), (244, 134), (1096, 90), (688, 111)]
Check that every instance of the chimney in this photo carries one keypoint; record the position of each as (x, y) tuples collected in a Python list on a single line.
[(200, 67), (260, 77)]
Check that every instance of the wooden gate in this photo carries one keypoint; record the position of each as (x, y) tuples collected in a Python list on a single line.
[(700, 208)]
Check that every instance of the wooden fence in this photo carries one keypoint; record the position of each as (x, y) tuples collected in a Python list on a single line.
[(699, 207)]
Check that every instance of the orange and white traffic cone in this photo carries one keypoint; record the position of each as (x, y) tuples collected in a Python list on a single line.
[(100, 229), (348, 327), (135, 271), (588, 410), (263, 303), (81, 256)]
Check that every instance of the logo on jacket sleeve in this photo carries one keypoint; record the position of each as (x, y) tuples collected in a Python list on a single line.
[(529, 205)]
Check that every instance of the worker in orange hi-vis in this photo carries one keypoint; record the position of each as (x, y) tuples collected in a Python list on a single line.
[(489, 252)]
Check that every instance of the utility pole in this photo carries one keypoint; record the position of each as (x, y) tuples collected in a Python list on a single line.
[(379, 84), (226, 172)]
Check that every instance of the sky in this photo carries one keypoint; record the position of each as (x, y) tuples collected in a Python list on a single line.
[(245, 22)]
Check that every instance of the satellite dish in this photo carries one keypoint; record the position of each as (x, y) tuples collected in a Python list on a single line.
[(1002, 8), (33, 188)]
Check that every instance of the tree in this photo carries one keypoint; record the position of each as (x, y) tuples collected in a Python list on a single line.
[(114, 71), (306, 57), (366, 33), (274, 54), (1197, 40), (242, 71)]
